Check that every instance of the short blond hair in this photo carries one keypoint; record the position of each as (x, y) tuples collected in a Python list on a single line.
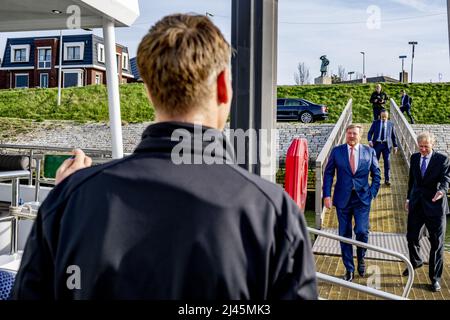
[(353, 126), (426, 136), (179, 58)]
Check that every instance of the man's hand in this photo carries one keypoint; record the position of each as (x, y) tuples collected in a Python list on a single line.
[(327, 202), (371, 144), (75, 163), (406, 205), (437, 196), (395, 150)]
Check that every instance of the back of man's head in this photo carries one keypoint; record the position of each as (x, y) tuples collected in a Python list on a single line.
[(179, 60)]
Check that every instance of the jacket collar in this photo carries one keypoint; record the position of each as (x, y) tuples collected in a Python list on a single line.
[(198, 140)]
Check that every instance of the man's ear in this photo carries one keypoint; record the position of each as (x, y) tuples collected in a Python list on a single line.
[(223, 90)]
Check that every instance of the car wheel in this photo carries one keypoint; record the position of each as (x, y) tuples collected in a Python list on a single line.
[(306, 117)]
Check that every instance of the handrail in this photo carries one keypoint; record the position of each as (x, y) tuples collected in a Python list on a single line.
[(410, 281), (406, 137), (51, 148), (337, 136), (358, 287)]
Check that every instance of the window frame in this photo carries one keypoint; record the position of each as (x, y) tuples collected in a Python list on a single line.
[(40, 79), (125, 61), (68, 45), (21, 74), (100, 50), (15, 47), (49, 66)]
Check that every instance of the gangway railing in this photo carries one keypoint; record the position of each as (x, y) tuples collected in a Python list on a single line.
[(406, 138), (336, 137), (368, 290)]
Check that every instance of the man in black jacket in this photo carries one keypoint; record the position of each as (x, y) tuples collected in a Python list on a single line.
[(378, 100), (429, 178), (405, 105), (178, 219)]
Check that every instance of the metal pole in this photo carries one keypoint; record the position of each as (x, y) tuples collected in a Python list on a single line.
[(30, 179), (60, 67), (15, 192), (412, 63), (254, 36), (112, 81), (37, 183), (448, 22)]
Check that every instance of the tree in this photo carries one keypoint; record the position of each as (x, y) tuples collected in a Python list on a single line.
[(301, 76), (342, 74), (335, 79)]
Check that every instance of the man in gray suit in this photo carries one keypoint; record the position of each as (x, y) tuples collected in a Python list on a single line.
[(382, 138)]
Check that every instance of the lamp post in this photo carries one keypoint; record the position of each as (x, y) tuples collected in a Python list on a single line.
[(413, 43), (364, 66), (403, 67), (350, 74)]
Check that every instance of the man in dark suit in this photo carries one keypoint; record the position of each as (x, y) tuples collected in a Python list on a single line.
[(405, 105), (353, 163), (382, 138), (378, 100), (429, 178)]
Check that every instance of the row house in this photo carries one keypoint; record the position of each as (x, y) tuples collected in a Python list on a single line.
[(34, 62)]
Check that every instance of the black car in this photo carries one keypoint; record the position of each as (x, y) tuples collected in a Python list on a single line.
[(300, 110)]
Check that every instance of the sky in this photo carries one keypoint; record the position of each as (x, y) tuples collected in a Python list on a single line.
[(341, 29)]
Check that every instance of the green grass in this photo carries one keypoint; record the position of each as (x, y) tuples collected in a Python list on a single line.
[(431, 101), (82, 104), (90, 103)]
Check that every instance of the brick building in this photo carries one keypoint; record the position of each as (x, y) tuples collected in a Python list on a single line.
[(34, 62)]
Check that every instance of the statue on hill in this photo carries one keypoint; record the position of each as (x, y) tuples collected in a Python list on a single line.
[(324, 66)]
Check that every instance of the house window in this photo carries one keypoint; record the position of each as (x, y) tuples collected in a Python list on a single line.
[(73, 50), (125, 61), (73, 53), (101, 52), (20, 53), (118, 62), (22, 80), (72, 78), (44, 58), (44, 80), (98, 78)]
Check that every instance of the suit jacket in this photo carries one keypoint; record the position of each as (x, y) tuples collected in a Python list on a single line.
[(405, 102), (339, 162), (422, 189), (374, 133)]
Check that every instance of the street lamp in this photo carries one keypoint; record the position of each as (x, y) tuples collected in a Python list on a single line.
[(350, 74), (364, 66), (209, 14), (413, 43), (403, 67)]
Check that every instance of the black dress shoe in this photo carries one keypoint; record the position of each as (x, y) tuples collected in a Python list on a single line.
[(348, 276), (406, 271), (387, 183), (436, 287), (362, 268)]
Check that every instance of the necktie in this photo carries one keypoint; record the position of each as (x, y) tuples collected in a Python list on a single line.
[(423, 167), (352, 160), (382, 132)]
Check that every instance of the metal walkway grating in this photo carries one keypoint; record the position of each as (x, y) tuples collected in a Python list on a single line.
[(393, 241)]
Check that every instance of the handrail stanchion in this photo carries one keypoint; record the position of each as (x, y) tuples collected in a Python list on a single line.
[(398, 255)]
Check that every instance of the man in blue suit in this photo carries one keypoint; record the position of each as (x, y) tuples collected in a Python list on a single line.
[(382, 138), (353, 163)]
